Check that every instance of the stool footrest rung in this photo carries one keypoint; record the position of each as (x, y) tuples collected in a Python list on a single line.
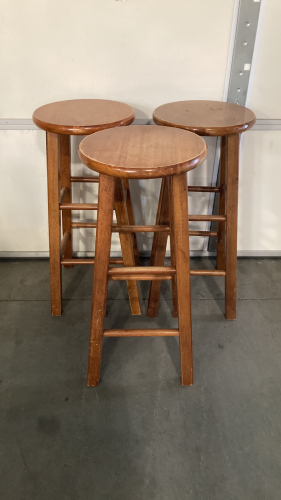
[(207, 272), (86, 261), (141, 273), (203, 189), (154, 332), (202, 218), (79, 206), (84, 179)]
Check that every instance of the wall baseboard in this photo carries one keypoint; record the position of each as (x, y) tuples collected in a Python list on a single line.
[(193, 253)]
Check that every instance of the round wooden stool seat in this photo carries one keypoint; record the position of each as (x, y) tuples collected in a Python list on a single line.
[(82, 116), (142, 151), (205, 117)]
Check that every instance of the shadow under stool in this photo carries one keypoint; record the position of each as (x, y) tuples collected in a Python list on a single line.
[(61, 120), (206, 118), (142, 152)]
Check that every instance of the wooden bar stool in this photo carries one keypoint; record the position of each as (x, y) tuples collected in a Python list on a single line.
[(207, 118), (142, 152), (61, 120)]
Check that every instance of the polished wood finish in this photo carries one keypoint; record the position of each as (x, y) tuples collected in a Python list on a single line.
[(54, 221), (213, 118), (102, 253), (131, 220), (180, 220), (231, 225), (173, 249), (66, 188), (222, 207), (141, 273), (84, 179), (159, 244), (64, 242), (155, 332), (78, 206), (82, 116), (88, 261), (142, 152), (126, 242)]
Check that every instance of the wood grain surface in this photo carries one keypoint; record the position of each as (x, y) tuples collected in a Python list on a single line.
[(205, 117), (142, 151), (82, 116)]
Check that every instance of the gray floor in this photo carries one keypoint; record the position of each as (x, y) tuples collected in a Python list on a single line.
[(140, 435)]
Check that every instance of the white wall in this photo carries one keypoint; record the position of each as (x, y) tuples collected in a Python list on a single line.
[(260, 173), (142, 52)]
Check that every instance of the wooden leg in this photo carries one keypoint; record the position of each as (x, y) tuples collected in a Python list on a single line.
[(172, 245), (159, 246), (102, 254), (54, 221), (126, 244), (232, 169), (221, 227), (181, 231), (65, 182), (131, 220)]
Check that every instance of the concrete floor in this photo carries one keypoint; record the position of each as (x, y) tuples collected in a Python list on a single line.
[(140, 434)]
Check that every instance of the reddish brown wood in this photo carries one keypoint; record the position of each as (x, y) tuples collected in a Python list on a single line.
[(65, 183), (205, 117), (126, 244), (159, 245), (210, 218), (64, 193), (102, 253), (180, 218), (79, 206), (131, 220), (231, 225), (87, 261), (206, 272), (64, 242), (222, 211), (203, 189), (54, 221), (85, 179), (142, 151), (172, 332), (173, 251), (82, 116), (141, 273)]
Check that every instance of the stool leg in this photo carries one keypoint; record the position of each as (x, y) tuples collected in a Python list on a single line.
[(159, 246), (221, 226), (54, 221), (181, 231), (126, 244), (131, 220), (65, 182), (102, 254), (231, 225), (172, 245)]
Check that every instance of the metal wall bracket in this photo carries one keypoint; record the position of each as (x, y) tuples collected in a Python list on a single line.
[(242, 56)]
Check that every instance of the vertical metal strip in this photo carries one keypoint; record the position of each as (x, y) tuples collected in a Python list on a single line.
[(241, 63)]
